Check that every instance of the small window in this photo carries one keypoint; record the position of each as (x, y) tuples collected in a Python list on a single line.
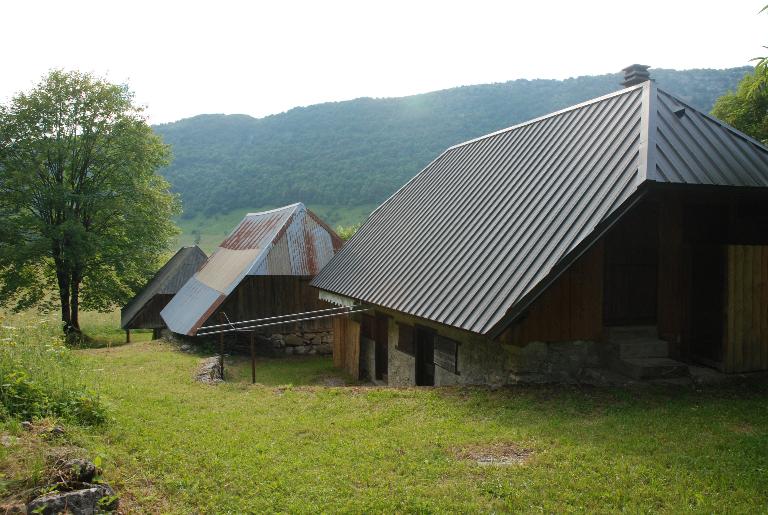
[(447, 354), (405, 339)]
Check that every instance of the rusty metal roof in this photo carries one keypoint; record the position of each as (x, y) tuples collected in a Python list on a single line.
[(478, 234), (167, 281), (290, 240)]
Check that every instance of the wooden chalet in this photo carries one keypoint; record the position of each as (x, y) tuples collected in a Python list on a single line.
[(261, 270), (143, 311), (629, 232)]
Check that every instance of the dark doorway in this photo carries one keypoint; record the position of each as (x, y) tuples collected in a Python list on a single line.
[(706, 229), (631, 269), (425, 357), (382, 346), (707, 303)]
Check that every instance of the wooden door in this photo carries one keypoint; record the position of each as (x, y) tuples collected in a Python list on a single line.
[(425, 357), (746, 341), (382, 347), (631, 269)]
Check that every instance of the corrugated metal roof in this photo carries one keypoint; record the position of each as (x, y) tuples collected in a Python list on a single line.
[(489, 221), (290, 240), (167, 281), (695, 148)]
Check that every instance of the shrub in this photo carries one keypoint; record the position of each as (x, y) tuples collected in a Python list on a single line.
[(41, 377)]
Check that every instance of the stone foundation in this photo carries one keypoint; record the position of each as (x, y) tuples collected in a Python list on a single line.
[(304, 343), (486, 362), (274, 345)]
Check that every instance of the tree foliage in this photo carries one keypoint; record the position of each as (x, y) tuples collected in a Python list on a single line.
[(747, 108), (82, 209)]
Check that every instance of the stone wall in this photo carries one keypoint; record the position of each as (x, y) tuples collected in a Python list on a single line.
[(274, 345), (303, 343), (486, 362), (402, 367), (367, 359)]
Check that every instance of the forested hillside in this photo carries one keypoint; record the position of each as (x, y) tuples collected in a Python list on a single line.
[(358, 152)]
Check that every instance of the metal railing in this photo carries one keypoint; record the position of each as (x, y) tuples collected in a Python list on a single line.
[(250, 325)]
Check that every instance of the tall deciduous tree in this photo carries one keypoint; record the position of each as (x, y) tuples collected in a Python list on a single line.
[(82, 209), (747, 108)]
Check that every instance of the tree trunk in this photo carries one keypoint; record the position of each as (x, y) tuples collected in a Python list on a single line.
[(74, 302), (64, 295)]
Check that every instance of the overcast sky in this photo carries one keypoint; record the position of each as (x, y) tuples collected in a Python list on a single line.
[(259, 58)]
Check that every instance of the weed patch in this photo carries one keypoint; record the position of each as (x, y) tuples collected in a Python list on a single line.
[(40, 377)]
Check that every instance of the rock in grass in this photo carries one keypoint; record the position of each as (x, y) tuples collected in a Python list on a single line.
[(86, 501), (77, 469), (209, 371), (56, 431)]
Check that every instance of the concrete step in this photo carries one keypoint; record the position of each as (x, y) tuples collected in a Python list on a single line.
[(650, 368), (643, 348), (630, 332)]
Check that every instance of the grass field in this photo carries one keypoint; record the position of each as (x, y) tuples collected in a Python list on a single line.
[(291, 444), (211, 230)]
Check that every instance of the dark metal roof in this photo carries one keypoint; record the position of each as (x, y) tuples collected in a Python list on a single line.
[(167, 281), (477, 232), (695, 148), (290, 240)]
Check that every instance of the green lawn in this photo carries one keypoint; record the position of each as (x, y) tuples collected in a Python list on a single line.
[(293, 444), (284, 445)]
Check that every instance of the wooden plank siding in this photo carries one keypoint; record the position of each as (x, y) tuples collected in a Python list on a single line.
[(339, 342), (149, 316), (262, 296), (571, 309), (746, 335), (346, 345)]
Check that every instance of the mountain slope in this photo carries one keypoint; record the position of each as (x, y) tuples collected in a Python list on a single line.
[(358, 152)]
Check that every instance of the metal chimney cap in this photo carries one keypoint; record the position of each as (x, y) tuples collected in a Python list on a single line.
[(636, 68), (635, 74)]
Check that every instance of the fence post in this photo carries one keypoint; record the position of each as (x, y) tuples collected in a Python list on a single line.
[(253, 358), (221, 347)]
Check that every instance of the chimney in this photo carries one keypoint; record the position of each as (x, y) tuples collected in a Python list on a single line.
[(635, 74)]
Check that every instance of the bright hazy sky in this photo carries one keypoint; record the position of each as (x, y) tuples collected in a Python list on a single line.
[(264, 57)]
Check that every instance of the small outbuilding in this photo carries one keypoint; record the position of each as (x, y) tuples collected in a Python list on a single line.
[(143, 311), (629, 232), (262, 270)]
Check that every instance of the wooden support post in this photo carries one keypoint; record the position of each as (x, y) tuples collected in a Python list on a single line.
[(221, 347), (221, 354), (253, 358), (127, 336)]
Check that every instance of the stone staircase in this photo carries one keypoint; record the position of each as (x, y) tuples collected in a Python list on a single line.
[(638, 353)]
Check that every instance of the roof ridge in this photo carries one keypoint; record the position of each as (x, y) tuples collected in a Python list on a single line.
[(549, 115), (289, 206)]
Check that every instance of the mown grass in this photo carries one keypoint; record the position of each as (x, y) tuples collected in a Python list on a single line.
[(103, 330), (291, 444), (99, 329), (180, 447)]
